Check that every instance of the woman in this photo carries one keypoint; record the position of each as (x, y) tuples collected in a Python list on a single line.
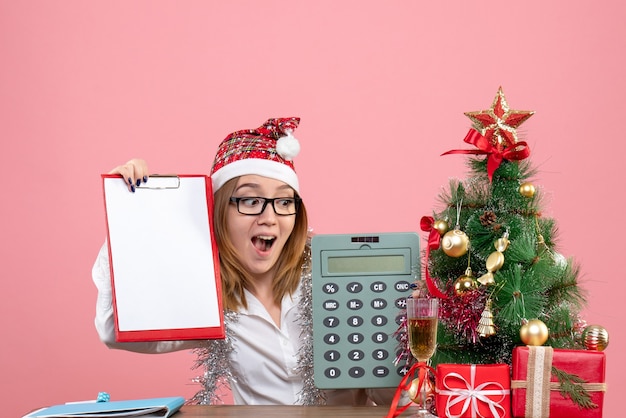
[(261, 230)]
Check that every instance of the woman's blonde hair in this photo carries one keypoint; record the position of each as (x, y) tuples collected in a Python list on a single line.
[(234, 277)]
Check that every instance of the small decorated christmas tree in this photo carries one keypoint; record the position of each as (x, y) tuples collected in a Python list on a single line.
[(491, 255), (506, 295)]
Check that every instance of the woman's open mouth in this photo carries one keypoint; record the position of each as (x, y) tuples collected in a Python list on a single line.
[(263, 242)]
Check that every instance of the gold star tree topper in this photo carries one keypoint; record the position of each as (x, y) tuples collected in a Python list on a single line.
[(499, 123)]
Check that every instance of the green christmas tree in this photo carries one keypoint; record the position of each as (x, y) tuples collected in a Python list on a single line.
[(492, 257)]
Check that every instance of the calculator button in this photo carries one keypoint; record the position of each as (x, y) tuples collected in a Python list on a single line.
[(331, 321), (400, 303), (331, 338), (356, 338), (380, 337), (402, 355), (379, 303), (380, 354), (380, 371), (400, 319), (355, 304), (356, 372), (402, 370), (379, 320), (378, 287), (332, 355), (332, 372), (330, 288), (355, 321), (354, 287), (331, 305), (403, 286), (356, 355)]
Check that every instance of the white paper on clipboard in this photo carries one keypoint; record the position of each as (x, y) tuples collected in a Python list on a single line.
[(163, 259)]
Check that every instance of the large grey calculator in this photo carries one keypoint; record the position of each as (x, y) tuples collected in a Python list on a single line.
[(359, 284)]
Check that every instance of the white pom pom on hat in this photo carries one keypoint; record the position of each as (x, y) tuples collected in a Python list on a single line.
[(288, 146), (266, 151)]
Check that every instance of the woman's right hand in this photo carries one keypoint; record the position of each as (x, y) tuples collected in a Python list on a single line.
[(133, 172)]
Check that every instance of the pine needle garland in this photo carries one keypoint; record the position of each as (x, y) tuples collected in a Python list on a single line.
[(571, 386)]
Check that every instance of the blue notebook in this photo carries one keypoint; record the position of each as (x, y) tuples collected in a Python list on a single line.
[(153, 407)]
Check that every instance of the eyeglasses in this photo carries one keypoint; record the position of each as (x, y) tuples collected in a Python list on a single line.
[(283, 206)]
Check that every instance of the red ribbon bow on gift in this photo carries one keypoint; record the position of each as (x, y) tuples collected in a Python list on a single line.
[(405, 384), (426, 224), (471, 395), (495, 153)]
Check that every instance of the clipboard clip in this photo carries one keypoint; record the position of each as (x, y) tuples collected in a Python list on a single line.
[(161, 181)]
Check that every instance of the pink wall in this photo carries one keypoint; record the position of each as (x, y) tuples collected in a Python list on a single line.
[(381, 88)]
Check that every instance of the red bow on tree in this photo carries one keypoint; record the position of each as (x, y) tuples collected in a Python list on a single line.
[(495, 153), (426, 224)]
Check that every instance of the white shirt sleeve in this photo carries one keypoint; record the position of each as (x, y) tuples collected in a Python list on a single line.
[(105, 321)]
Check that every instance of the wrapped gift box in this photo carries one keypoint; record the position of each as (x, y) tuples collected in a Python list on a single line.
[(536, 390), (470, 390)]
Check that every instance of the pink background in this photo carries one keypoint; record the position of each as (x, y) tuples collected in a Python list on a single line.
[(381, 88)]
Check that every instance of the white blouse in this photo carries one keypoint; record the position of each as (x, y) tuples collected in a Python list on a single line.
[(264, 356)]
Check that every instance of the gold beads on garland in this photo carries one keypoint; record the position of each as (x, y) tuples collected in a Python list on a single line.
[(534, 332), (527, 189), (595, 338)]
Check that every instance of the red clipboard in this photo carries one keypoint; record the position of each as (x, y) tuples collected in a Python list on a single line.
[(163, 259)]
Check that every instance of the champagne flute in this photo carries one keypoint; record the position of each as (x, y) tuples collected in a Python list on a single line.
[(422, 322)]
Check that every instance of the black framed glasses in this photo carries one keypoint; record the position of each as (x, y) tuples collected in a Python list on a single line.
[(283, 206)]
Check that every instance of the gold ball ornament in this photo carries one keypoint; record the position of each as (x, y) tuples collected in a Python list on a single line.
[(416, 396), (534, 332), (527, 189), (455, 243), (441, 226), (465, 283), (595, 338)]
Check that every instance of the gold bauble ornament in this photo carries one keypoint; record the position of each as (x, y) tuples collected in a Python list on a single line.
[(455, 243), (441, 226), (595, 338), (416, 396), (465, 283), (527, 189), (534, 332)]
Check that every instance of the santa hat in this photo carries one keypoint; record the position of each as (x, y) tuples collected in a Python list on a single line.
[(266, 151)]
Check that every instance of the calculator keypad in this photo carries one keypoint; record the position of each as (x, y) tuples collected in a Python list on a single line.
[(354, 327)]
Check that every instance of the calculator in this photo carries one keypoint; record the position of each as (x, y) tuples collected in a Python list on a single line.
[(359, 286)]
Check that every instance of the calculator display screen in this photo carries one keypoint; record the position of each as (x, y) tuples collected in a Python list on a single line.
[(368, 264)]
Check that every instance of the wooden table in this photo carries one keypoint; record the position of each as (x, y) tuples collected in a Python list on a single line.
[(248, 411)]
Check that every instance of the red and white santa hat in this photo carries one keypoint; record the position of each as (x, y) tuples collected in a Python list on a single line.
[(266, 151)]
